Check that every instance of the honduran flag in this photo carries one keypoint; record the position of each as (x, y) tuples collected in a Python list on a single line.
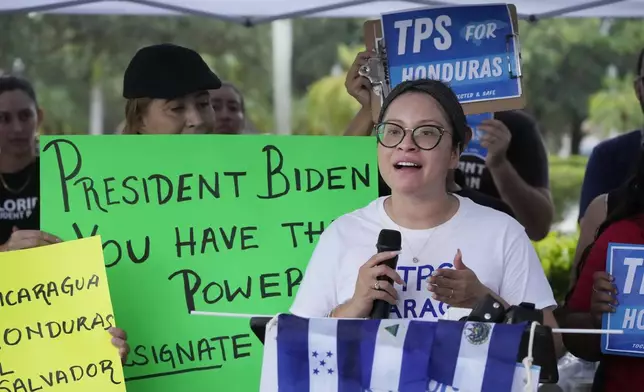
[(349, 355)]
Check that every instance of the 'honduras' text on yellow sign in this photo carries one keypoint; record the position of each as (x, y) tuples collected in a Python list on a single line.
[(470, 48)]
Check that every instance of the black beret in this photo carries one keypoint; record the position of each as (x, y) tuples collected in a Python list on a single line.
[(167, 71)]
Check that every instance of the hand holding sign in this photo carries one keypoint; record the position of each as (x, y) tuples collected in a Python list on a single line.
[(603, 299), (473, 48), (56, 314), (617, 294), (119, 340), (358, 86), (456, 287), (496, 139), (25, 239)]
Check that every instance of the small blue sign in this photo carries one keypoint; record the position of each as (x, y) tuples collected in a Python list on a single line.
[(474, 147), (470, 47), (626, 264)]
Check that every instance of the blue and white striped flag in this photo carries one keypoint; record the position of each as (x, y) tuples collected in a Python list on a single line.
[(344, 355)]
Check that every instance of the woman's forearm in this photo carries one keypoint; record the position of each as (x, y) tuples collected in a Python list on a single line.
[(361, 125), (584, 346)]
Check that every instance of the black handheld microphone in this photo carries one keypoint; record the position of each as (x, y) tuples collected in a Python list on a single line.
[(388, 241)]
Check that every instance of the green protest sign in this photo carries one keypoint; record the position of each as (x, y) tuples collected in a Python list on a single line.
[(201, 223)]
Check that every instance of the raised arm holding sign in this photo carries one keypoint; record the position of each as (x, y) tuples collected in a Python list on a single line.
[(476, 55), (475, 49)]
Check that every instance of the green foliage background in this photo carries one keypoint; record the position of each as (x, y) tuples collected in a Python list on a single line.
[(556, 253), (557, 250)]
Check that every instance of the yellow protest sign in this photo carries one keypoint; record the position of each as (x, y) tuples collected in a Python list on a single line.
[(55, 310)]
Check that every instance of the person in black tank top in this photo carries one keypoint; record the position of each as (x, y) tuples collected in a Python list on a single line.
[(20, 117)]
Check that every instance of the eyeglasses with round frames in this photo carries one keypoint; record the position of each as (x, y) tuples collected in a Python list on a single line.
[(425, 137)]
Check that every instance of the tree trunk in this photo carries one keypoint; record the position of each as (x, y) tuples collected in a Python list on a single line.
[(575, 132), (538, 115)]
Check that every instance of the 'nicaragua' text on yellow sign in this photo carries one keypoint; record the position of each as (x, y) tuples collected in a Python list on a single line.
[(55, 310)]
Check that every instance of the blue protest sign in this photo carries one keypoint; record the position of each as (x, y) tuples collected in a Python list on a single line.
[(474, 147), (626, 264), (472, 48)]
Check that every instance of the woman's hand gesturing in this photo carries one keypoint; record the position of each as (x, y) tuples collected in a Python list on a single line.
[(369, 288), (457, 287)]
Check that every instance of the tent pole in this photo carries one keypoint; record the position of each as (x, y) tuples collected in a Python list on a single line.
[(282, 73)]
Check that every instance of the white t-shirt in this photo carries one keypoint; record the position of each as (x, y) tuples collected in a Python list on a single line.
[(493, 245)]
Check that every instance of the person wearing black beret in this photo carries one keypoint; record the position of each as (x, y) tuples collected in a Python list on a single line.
[(167, 90)]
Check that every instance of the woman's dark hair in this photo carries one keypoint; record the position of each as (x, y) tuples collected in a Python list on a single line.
[(238, 92), (629, 203), (442, 94), (640, 63), (13, 83)]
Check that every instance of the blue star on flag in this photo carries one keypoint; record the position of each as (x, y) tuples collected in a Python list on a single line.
[(321, 361)]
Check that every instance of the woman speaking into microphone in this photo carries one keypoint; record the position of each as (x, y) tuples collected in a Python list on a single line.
[(454, 252)]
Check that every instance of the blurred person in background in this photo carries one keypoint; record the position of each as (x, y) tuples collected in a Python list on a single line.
[(167, 88), (611, 161), (20, 117), (230, 109), (594, 292), (609, 167), (167, 91)]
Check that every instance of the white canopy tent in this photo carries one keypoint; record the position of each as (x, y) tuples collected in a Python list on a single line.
[(279, 13), (250, 12)]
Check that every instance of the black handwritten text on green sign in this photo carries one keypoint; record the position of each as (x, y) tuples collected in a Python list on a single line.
[(201, 223)]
